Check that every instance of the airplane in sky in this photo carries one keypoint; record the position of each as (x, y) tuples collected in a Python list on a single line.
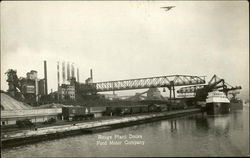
[(167, 8)]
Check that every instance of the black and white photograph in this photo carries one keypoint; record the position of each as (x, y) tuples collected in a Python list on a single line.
[(124, 79)]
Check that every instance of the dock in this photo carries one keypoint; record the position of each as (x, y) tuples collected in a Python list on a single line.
[(53, 132)]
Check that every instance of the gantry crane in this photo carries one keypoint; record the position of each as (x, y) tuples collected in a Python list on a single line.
[(170, 82), (201, 91)]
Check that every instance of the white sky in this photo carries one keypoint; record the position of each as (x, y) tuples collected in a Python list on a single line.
[(123, 40)]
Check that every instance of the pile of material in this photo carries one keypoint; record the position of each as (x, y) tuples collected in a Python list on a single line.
[(9, 103), (48, 106)]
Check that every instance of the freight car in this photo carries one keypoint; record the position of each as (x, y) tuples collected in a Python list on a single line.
[(131, 110), (127, 110), (24, 123), (144, 109), (122, 110), (153, 108), (110, 111), (177, 105), (157, 108), (135, 109), (74, 113)]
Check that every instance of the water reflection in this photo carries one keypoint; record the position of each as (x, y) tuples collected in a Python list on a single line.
[(173, 126), (201, 122), (195, 135)]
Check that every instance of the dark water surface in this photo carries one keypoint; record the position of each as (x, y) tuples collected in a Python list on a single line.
[(195, 135)]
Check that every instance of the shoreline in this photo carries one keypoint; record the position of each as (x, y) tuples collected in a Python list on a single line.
[(61, 131)]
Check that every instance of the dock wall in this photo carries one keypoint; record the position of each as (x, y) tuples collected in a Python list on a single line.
[(72, 129)]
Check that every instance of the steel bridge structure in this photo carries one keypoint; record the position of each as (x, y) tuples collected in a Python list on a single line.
[(215, 82), (151, 82), (169, 82)]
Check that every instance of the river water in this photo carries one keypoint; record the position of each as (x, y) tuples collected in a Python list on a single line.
[(193, 135)]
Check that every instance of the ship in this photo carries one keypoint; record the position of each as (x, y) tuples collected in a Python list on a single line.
[(217, 103), (236, 103)]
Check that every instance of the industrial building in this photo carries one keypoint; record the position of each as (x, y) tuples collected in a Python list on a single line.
[(67, 92), (13, 110), (30, 88), (66, 89)]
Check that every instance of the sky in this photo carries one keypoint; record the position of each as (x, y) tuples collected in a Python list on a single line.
[(125, 40)]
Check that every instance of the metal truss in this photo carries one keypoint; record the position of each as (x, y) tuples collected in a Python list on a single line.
[(151, 82), (190, 89), (215, 82)]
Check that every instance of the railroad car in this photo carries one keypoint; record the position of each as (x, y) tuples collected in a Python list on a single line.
[(110, 111), (153, 108), (125, 110), (157, 107), (135, 109), (144, 109), (24, 123), (177, 105), (76, 113)]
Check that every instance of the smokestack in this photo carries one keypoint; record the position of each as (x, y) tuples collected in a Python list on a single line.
[(63, 72), (36, 89), (72, 70), (77, 74), (45, 77), (58, 75), (68, 71), (91, 74)]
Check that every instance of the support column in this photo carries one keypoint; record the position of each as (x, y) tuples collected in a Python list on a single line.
[(174, 91), (170, 91), (113, 86)]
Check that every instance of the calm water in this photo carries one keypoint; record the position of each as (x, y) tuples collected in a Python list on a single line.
[(194, 135)]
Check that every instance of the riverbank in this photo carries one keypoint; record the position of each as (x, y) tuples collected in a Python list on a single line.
[(53, 132)]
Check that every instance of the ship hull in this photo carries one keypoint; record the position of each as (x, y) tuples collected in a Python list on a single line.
[(217, 108), (236, 106)]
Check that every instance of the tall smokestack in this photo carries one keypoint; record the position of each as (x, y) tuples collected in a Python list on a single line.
[(45, 77), (68, 71), (58, 75), (77, 74), (91, 74), (72, 70), (63, 72)]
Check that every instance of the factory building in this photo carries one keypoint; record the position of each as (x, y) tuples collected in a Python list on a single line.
[(66, 89), (41, 87), (29, 89), (32, 75), (90, 79), (67, 92), (32, 88)]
